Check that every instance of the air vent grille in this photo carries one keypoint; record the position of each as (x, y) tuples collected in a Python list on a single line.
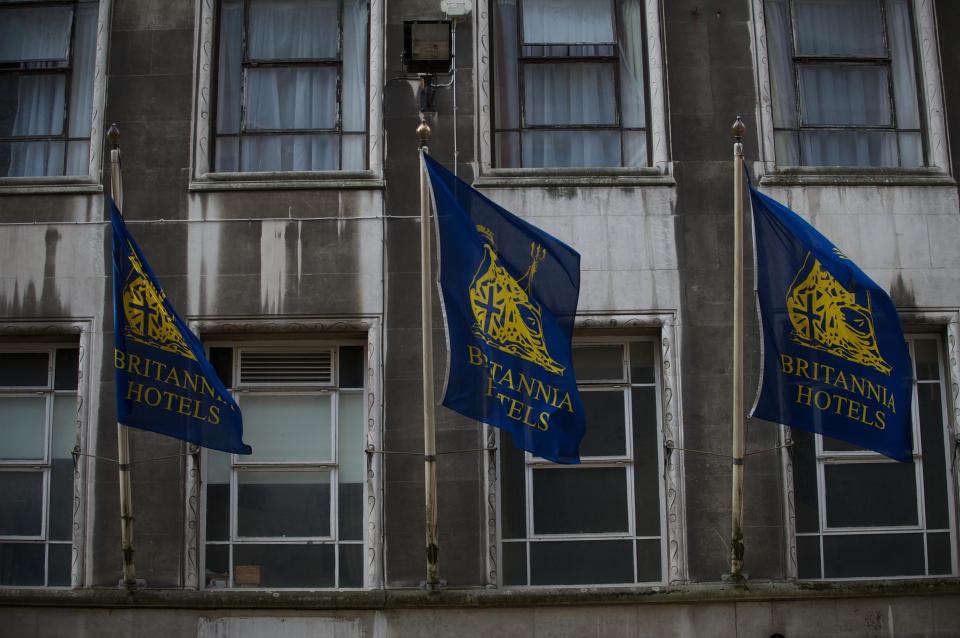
[(286, 368)]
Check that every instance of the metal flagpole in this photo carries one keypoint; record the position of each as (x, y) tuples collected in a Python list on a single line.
[(123, 435), (429, 420), (736, 530)]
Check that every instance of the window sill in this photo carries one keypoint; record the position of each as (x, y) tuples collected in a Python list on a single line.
[(848, 176), (590, 177), (339, 180), (48, 185)]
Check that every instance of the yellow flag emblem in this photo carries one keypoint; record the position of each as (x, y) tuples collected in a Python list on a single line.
[(506, 317), (826, 316), (148, 321)]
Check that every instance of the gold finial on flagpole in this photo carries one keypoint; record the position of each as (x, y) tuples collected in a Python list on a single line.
[(423, 132), (738, 129), (113, 136)]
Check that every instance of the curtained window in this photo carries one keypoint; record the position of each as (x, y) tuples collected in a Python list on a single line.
[(291, 86), (843, 81), (602, 521), (568, 83), (861, 515), (290, 515), (47, 59)]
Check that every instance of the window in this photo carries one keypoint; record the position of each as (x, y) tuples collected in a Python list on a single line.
[(38, 431), (291, 88), (600, 522), (568, 83), (843, 79), (861, 515), (47, 60), (291, 514)]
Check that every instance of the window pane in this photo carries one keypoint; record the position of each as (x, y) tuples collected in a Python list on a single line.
[(632, 94), (870, 494), (513, 503), (836, 445), (507, 150), (839, 27), (844, 94), (287, 428), (904, 68), (21, 503), (354, 88), (934, 461), (569, 93), (848, 148), (61, 472), (506, 99), (222, 361), (646, 468), (567, 21), (354, 151), (59, 558), (31, 159), (873, 555), (293, 29), (352, 462), (65, 374), (579, 501), (782, 87), (283, 504), (649, 566), (291, 98), (217, 565), (606, 427), (926, 357), (289, 153), (22, 427), (82, 81), (514, 568), (353, 367), (598, 363), (641, 362), (581, 562), (560, 149), (351, 565), (787, 148), (635, 148), (230, 68), (21, 564), (938, 554), (218, 495), (31, 104), (284, 565), (808, 557), (805, 481), (23, 369), (35, 33)]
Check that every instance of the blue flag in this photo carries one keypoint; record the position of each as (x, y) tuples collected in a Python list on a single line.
[(164, 382), (510, 295), (834, 358)]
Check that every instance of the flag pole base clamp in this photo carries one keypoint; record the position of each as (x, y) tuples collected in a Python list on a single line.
[(735, 579)]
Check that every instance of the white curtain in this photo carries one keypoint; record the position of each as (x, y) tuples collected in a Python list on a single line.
[(839, 27), (354, 85), (81, 89), (229, 78), (567, 21)]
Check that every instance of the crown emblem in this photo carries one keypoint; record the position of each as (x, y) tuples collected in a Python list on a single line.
[(148, 321), (826, 316), (506, 317)]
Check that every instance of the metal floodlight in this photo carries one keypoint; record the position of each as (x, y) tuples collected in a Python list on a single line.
[(427, 46)]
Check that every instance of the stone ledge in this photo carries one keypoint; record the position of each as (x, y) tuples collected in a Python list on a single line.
[(470, 598), (841, 176)]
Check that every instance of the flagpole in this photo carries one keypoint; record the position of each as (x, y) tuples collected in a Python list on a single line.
[(736, 529), (429, 419), (123, 435)]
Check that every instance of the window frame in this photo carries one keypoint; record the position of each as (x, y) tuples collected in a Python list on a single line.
[(658, 168), (204, 176), (935, 170), (89, 182), (44, 465), (825, 457), (667, 505), (237, 464)]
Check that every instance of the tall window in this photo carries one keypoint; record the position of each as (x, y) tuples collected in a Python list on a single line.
[(38, 430), (47, 57), (600, 522), (291, 514), (843, 78), (861, 515), (291, 85), (569, 83)]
